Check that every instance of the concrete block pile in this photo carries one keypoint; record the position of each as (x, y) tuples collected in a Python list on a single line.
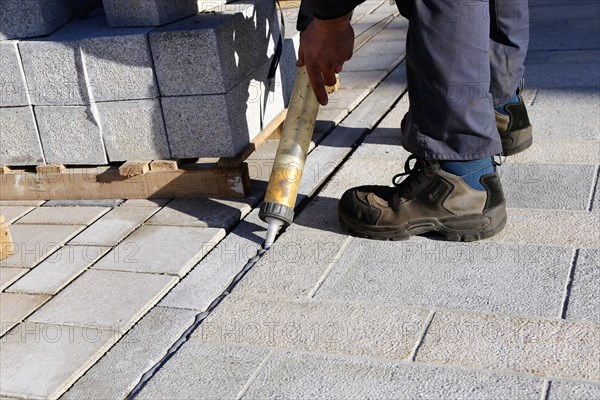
[(137, 80)]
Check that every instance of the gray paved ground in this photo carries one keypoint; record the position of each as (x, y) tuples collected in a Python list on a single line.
[(96, 296)]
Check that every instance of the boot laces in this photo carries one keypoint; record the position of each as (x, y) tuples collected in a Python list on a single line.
[(412, 176)]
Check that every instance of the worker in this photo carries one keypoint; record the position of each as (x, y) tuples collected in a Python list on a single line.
[(464, 63)]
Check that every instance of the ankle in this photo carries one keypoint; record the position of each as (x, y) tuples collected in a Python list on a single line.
[(470, 171)]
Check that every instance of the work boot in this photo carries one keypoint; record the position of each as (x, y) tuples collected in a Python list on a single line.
[(513, 124), (429, 199)]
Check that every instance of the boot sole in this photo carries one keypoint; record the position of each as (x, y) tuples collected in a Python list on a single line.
[(517, 141), (464, 228)]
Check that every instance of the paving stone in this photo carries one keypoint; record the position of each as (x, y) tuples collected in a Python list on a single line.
[(70, 135), (147, 13), (584, 301), (568, 115), (64, 215), (33, 243), (119, 370), (361, 79), (565, 34), (514, 280), (219, 49), (22, 146), (346, 99), (162, 249), (53, 71), (382, 148), (32, 203), (549, 151), (539, 347), (9, 275), (365, 63), (547, 186), (14, 307), (311, 376), (13, 213), (573, 390), (113, 226), (105, 300), (377, 331), (133, 130), (218, 213), (225, 371), (156, 203), (58, 270), (209, 279), (295, 263), (84, 203), (33, 18), (51, 358), (13, 91), (595, 203), (550, 228), (565, 76)]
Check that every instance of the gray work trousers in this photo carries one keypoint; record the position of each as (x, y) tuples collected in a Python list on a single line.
[(463, 58)]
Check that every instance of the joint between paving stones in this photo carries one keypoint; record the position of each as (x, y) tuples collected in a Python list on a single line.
[(421, 340), (594, 192), (545, 393), (569, 285), (333, 262), (255, 374)]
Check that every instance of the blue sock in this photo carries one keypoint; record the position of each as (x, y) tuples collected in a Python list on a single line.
[(513, 100), (470, 171)]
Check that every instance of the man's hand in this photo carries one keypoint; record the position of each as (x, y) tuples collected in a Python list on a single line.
[(324, 47)]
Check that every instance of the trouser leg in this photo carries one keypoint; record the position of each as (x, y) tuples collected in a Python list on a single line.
[(509, 38), (448, 70)]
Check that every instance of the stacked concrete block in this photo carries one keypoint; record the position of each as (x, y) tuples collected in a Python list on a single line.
[(31, 18), (19, 137), (221, 125), (133, 130), (125, 13), (12, 79), (216, 98), (70, 135)]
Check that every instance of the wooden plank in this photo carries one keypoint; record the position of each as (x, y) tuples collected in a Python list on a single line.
[(6, 244), (134, 168), (50, 168), (272, 128), (92, 183), (163, 165)]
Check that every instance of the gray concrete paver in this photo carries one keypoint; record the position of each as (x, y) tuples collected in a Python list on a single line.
[(358, 329), (584, 300), (551, 151), (13, 213), (569, 228), (56, 271), (33, 243), (207, 280), (316, 376), (485, 277), (203, 212), (161, 249), (560, 390), (64, 215), (51, 358), (120, 369), (9, 275), (537, 347), (113, 226), (561, 187), (225, 371), (14, 307), (109, 300)]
